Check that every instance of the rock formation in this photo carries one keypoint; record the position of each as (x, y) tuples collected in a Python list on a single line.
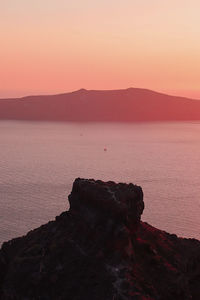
[(100, 250)]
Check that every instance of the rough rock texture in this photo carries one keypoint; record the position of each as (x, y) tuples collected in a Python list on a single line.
[(100, 250)]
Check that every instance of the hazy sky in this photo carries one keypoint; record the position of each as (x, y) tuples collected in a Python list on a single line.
[(52, 46)]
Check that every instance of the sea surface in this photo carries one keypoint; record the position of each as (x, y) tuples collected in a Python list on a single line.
[(39, 162)]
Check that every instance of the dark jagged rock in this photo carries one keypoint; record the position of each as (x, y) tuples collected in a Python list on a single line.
[(100, 250), (121, 202)]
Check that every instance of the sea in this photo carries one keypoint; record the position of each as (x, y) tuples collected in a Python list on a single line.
[(40, 160)]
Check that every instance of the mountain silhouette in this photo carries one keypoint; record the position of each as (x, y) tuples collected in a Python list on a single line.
[(125, 105)]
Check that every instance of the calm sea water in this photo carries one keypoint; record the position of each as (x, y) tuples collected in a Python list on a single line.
[(39, 162)]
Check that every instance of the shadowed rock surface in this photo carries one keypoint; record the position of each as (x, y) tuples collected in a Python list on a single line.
[(100, 250)]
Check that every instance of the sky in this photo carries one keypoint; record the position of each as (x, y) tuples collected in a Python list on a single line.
[(56, 46)]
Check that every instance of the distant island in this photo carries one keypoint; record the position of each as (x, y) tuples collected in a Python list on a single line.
[(100, 250), (126, 105)]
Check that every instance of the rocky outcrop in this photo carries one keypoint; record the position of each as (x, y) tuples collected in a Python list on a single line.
[(100, 250)]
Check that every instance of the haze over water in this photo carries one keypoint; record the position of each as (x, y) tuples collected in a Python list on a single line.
[(39, 162)]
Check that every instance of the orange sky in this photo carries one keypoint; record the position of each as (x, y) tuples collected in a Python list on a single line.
[(53, 46)]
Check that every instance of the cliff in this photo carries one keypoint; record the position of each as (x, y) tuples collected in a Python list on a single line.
[(128, 105), (100, 250)]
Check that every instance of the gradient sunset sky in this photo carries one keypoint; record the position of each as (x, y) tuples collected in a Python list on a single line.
[(56, 46)]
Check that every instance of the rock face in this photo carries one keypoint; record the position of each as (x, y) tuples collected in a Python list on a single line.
[(108, 200), (100, 250)]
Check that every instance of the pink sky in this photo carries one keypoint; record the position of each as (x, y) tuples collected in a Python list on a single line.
[(52, 46)]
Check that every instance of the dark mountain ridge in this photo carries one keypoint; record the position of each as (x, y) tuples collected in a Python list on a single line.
[(127, 105)]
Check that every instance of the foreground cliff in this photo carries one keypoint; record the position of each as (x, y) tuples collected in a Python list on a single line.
[(100, 249)]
